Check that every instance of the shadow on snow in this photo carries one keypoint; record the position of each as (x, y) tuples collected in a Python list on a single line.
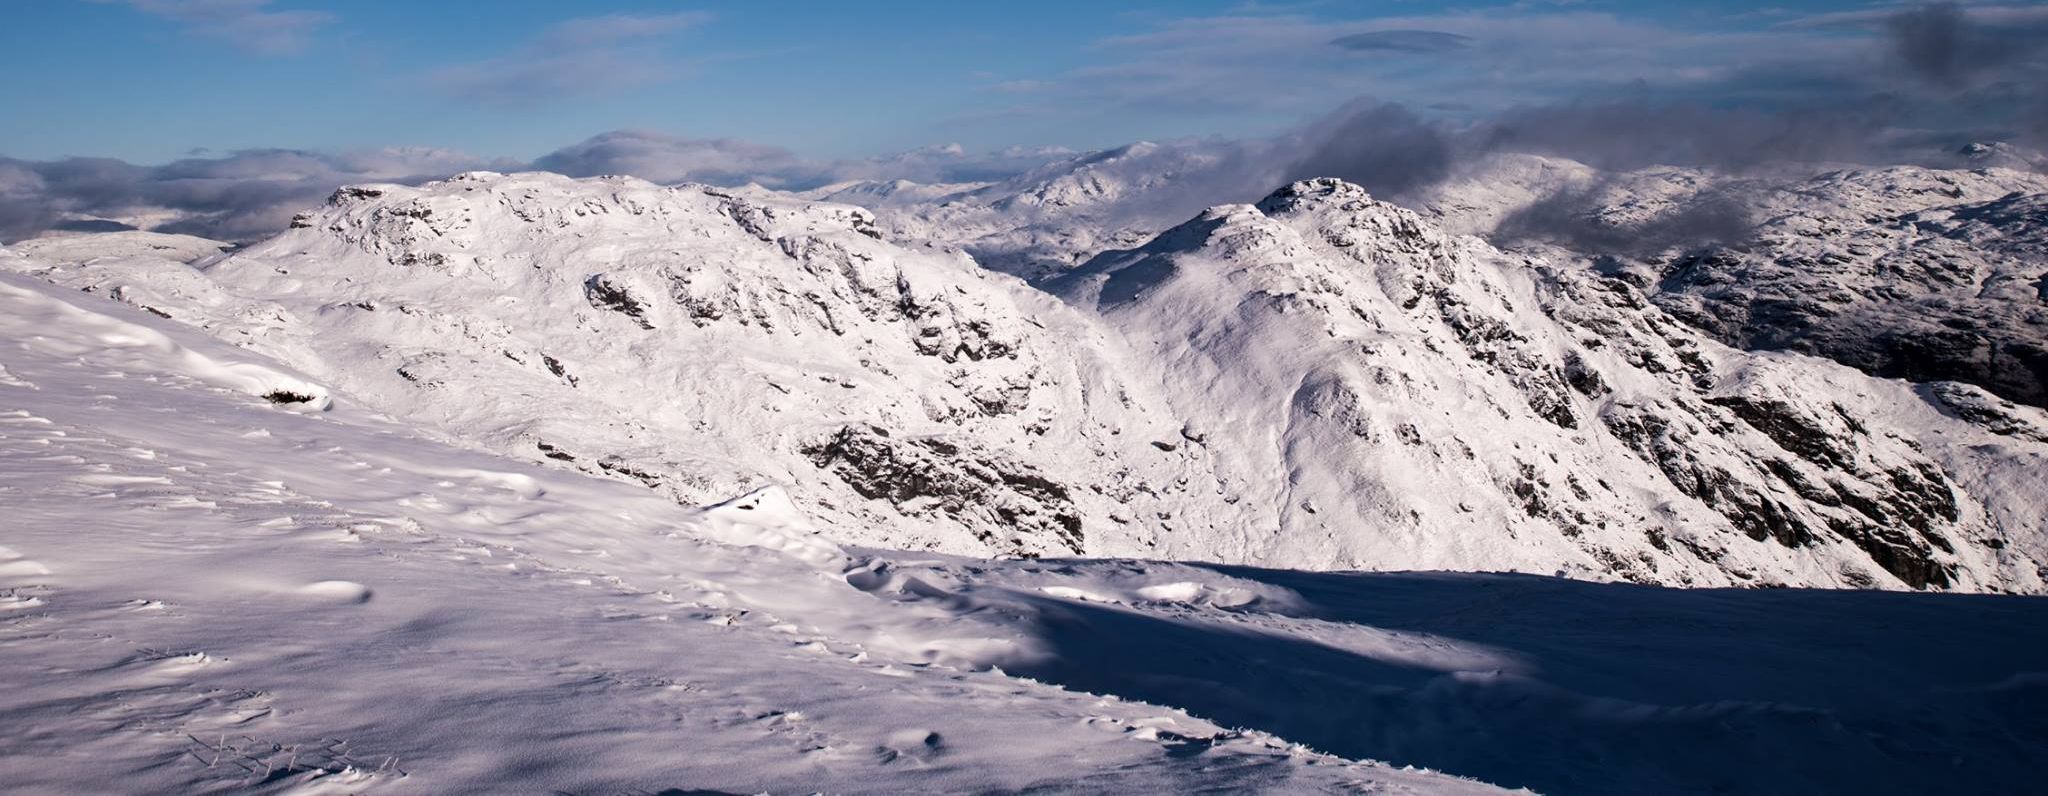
[(1614, 688)]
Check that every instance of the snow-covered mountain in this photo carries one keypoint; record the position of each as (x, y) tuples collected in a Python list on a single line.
[(1431, 399), (1903, 272), (694, 340), (1321, 380), (1050, 218)]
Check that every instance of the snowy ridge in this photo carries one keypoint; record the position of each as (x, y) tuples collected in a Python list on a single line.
[(86, 247), (888, 193)]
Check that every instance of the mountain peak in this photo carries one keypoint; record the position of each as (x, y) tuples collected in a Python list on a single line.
[(1320, 191), (1343, 210)]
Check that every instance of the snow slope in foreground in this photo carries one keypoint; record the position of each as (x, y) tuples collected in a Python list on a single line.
[(201, 589), (202, 592)]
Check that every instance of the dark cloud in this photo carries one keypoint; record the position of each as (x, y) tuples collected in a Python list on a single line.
[(253, 194), (1566, 218), (1886, 86), (1634, 133), (239, 197), (24, 209), (1959, 74), (1404, 41), (1945, 45), (1385, 147)]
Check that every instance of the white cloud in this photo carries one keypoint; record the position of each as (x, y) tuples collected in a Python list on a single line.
[(1019, 86), (578, 57), (615, 28), (246, 24), (665, 158)]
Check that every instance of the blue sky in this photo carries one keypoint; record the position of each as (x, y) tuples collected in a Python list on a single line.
[(150, 81), (224, 117)]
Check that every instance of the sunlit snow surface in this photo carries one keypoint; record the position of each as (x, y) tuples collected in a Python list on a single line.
[(202, 589)]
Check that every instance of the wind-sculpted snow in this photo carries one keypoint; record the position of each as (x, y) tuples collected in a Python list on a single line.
[(200, 592), (1322, 380), (205, 591)]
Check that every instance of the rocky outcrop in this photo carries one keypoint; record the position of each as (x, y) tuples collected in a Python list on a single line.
[(1010, 505), (1973, 404)]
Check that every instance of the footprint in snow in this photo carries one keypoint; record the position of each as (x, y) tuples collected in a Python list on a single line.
[(16, 600), (914, 744), (170, 663)]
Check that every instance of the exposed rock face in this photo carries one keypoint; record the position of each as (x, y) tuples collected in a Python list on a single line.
[(932, 476), (1948, 292), (1319, 380), (1973, 404)]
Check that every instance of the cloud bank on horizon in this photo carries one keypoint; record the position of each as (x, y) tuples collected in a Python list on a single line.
[(1616, 85)]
